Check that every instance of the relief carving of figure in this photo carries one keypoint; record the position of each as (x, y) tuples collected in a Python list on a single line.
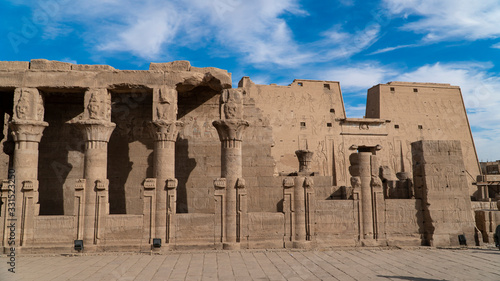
[(40, 109), (99, 106), (23, 106), (166, 101), (94, 107), (232, 104), (162, 111)]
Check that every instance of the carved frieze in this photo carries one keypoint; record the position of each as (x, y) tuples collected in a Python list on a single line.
[(220, 183), (149, 183), (172, 183), (80, 184)]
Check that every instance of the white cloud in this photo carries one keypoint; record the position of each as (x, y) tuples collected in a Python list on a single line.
[(496, 46), (355, 111), (344, 45), (358, 77), (257, 31), (480, 93), (480, 89), (148, 28), (449, 19)]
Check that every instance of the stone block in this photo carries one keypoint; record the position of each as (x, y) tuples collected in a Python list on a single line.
[(43, 64), (180, 65), (14, 65), (91, 67)]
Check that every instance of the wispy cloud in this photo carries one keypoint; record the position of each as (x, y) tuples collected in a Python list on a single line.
[(344, 45), (358, 77), (449, 19), (389, 49), (258, 32), (478, 84)]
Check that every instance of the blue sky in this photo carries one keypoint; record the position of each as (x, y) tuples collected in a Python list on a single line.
[(359, 43)]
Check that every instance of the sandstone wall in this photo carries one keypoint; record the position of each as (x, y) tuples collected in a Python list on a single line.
[(440, 182), (423, 111)]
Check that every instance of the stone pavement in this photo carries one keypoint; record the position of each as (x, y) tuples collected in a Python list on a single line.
[(338, 264)]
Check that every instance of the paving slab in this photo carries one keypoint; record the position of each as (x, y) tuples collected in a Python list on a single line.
[(420, 263)]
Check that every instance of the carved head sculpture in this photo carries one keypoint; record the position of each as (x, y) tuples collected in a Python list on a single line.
[(94, 107), (232, 103), (23, 105), (99, 106)]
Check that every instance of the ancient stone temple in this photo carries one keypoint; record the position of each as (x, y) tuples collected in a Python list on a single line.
[(99, 159)]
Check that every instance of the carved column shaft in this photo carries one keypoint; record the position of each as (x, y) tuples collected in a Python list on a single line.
[(366, 194), (302, 192), (97, 134), (300, 210), (97, 127), (27, 127), (165, 135), (230, 129), (231, 170)]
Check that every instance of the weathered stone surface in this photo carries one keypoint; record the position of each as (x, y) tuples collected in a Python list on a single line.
[(14, 65), (180, 65), (118, 158), (43, 64), (91, 67), (447, 210)]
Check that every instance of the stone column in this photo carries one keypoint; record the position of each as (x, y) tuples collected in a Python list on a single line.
[(164, 130), (97, 127), (230, 129), (165, 135), (27, 126), (366, 196), (302, 201), (367, 186)]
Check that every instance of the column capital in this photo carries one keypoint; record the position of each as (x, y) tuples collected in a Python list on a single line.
[(96, 130), (305, 158), (230, 129), (163, 130), (27, 130)]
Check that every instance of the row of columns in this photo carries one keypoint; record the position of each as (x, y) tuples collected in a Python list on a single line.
[(91, 192)]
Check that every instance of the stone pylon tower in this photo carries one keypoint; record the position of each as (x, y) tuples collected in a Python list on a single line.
[(230, 129)]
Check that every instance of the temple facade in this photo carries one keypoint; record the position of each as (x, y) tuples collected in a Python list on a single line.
[(98, 159)]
